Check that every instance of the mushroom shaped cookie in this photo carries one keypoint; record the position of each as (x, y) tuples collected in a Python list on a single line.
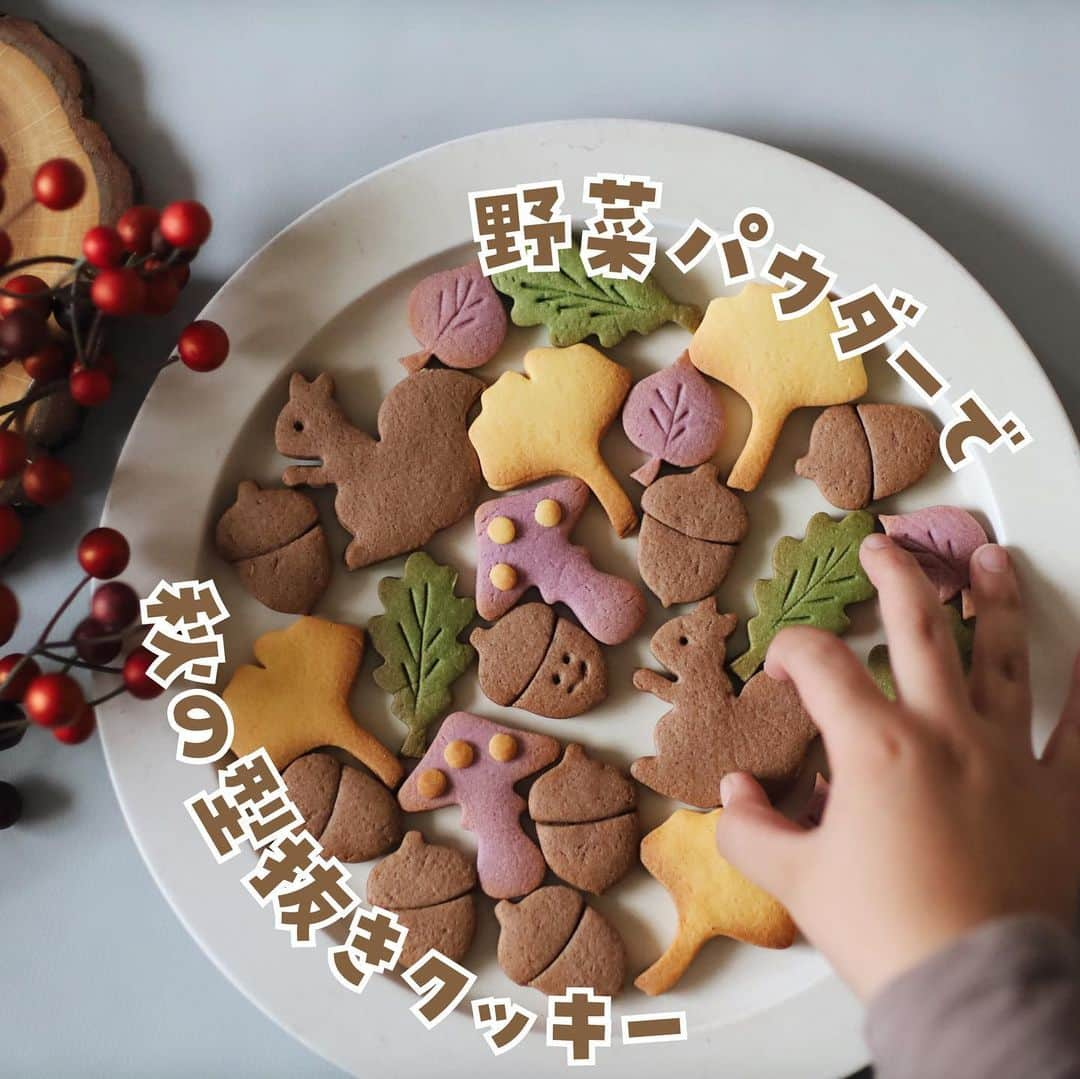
[(475, 763)]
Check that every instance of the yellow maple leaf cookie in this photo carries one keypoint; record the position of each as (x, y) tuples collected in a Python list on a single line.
[(712, 898)]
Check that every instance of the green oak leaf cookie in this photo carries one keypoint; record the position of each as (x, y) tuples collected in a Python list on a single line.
[(878, 659), (815, 580), (574, 306), (417, 639)]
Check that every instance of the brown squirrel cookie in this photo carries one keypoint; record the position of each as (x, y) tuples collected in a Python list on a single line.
[(552, 940), (859, 454), (395, 492), (274, 540), (533, 659), (689, 534), (431, 889), (353, 816), (586, 820), (709, 731)]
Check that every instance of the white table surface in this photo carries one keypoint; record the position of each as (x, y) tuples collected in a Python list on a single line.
[(958, 114)]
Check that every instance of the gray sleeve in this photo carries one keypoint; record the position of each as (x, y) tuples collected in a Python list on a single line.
[(1002, 1002)]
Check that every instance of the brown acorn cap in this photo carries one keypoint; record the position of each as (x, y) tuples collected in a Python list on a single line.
[(902, 442), (512, 650), (260, 521), (580, 789), (420, 874), (312, 782), (838, 459), (697, 504), (536, 930)]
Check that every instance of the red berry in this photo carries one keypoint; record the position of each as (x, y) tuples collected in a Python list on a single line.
[(104, 362), (59, 184), (15, 688), (137, 682), (46, 480), (89, 386), (203, 345), (118, 291), (115, 606), (11, 530), (9, 613), (89, 647), (5, 248), (103, 553), (53, 699), (47, 364), (12, 453), (32, 293), (136, 227), (103, 247), (185, 224), (72, 734), (162, 292), (22, 333)]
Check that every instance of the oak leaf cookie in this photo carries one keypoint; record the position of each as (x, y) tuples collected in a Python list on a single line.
[(395, 492), (297, 699), (431, 889), (549, 422), (709, 731), (474, 763), (523, 541), (712, 898), (586, 820), (858, 455), (274, 541), (777, 365), (353, 816), (553, 941), (534, 659), (690, 531)]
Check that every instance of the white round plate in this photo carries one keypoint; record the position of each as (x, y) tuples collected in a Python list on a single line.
[(329, 293)]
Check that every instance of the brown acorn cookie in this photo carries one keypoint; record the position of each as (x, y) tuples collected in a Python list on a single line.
[(691, 527), (431, 889), (353, 815), (553, 940), (859, 454), (274, 540), (533, 659), (586, 820)]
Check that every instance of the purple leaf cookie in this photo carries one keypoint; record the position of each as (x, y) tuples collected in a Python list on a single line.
[(523, 540), (675, 416), (458, 317)]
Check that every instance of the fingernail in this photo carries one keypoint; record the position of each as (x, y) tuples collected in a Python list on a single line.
[(877, 541), (727, 789), (992, 558)]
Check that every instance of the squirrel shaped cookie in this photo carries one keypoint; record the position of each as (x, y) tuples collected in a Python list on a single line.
[(395, 492), (709, 731)]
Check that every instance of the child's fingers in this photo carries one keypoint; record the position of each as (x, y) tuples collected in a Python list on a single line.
[(1000, 681), (925, 663), (1063, 749)]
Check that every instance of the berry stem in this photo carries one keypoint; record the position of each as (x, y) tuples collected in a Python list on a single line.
[(40, 260), (108, 696), (82, 664)]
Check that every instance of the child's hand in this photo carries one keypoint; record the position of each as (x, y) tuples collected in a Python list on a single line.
[(939, 816)]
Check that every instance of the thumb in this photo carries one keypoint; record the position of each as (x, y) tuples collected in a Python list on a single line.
[(758, 840)]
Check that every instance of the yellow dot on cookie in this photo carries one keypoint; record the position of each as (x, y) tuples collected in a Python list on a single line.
[(503, 747), (548, 512), (458, 754), (501, 530), (502, 576), (432, 783)]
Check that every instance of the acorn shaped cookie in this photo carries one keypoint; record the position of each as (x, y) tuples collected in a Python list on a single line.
[(431, 889), (533, 659), (553, 940), (352, 814), (274, 540), (861, 453), (586, 820), (690, 531)]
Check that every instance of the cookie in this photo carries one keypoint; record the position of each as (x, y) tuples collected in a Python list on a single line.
[(549, 422), (298, 698), (274, 541), (523, 541), (674, 416), (534, 659), (711, 897), (865, 453), (431, 890), (690, 530), (395, 492), (776, 364), (417, 638), (457, 317), (474, 763), (553, 941), (353, 816), (709, 731), (586, 820)]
